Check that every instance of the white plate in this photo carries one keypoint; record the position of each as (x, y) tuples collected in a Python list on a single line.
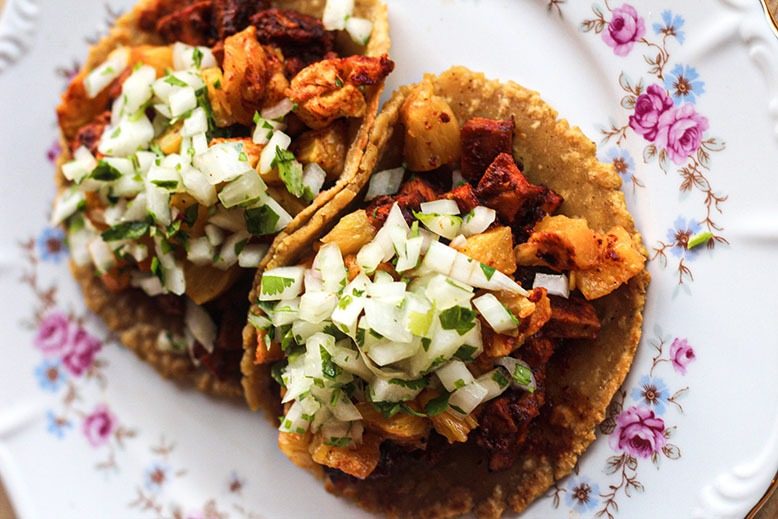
[(117, 441)]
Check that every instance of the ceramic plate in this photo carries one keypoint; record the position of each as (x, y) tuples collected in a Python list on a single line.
[(86, 430)]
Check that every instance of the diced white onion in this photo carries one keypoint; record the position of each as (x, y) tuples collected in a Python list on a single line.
[(200, 324), (165, 87), (386, 182), (278, 110), (386, 319), (279, 140), (516, 368), (495, 313), (102, 255), (381, 390), (335, 14), (445, 292), (221, 163), (164, 177), (245, 189), (317, 306), (495, 382), (129, 136), (148, 283), (136, 90), (458, 242), (200, 143), (350, 361), (196, 123), (344, 409), (264, 129), (214, 234), (67, 204), (228, 255), (158, 203), (445, 225), (197, 184), (182, 101), (104, 75), (440, 207), (200, 251), (290, 288), (467, 398), (184, 57), (454, 375), (313, 178), (359, 29), (478, 220), (555, 284), (228, 219), (252, 254)]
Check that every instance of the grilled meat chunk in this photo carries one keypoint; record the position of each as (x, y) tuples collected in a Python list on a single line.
[(411, 195), (191, 25), (482, 140), (573, 318)]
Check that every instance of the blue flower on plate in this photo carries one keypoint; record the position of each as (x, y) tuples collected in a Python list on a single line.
[(51, 245), (582, 494), (622, 161), (652, 392), (680, 235), (50, 375), (682, 83), (156, 476), (671, 26), (56, 425)]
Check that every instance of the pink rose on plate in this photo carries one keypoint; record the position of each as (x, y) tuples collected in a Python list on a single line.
[(53, 333), (624, 29), (649, 107), (99, 425), (638, 432), (681, 355), (80, 352), (680, 132)]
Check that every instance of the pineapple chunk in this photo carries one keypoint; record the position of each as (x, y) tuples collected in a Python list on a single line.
[(560, 243), (326, 147), (159, 57), (401, 427), (205, 283), (217, 96), (351, 233), (431, 130), (453, 427), (494, 248), (359, 461), (295, 447), (620, 260)]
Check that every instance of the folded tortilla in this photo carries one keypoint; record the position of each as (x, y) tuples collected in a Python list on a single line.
[(582, 377), (137, 319)]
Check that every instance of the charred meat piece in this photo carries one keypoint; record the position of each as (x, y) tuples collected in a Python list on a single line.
[(171, 304), (464, 196), (482, 140), (191, 25), (159, 9), (518, 202), (232, 16), (411, 195), (505, 420), (89, 136), (572, 318), (332, 88), (301, 38)]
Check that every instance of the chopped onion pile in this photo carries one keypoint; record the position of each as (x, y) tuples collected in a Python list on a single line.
[(156, 157), (373, 338), (338, 17)]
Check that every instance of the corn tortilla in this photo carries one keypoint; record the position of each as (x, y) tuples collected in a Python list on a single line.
[(582, 377)]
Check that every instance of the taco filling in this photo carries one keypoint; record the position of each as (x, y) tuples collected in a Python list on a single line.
[(188, 157), (427, 318)]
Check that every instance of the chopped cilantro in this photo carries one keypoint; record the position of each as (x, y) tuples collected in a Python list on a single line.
[(239, 246), (465, 353), (274, 285), (488, 271), (276, 372), (498, 377), (217, 84), (174, 81), (338, 82), (425, 343), (197, 57), (457, 318), (261, 220), (345, 301), (522, 375), (437, 405), (328, 368), (105, 172), (126, 231), (290, 171), (338, 442), (420, 383), (190, 215), (116, 132), (166, 184)]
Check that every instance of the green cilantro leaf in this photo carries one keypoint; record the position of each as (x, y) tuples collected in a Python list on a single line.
[(274, 285), (261, 220), (437, 405), (105, 172), (488, 271), (290, 171), (174, 81), (125, 231), (420, 383), (457, 318)]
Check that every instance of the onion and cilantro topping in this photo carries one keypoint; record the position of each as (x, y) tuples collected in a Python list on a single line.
[(408, 321), (163, 189)]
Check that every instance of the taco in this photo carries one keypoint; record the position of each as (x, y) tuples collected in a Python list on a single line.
[(195, 132), (451, 343)]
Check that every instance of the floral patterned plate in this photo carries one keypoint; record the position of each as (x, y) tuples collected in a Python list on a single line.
[(682, 98)]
